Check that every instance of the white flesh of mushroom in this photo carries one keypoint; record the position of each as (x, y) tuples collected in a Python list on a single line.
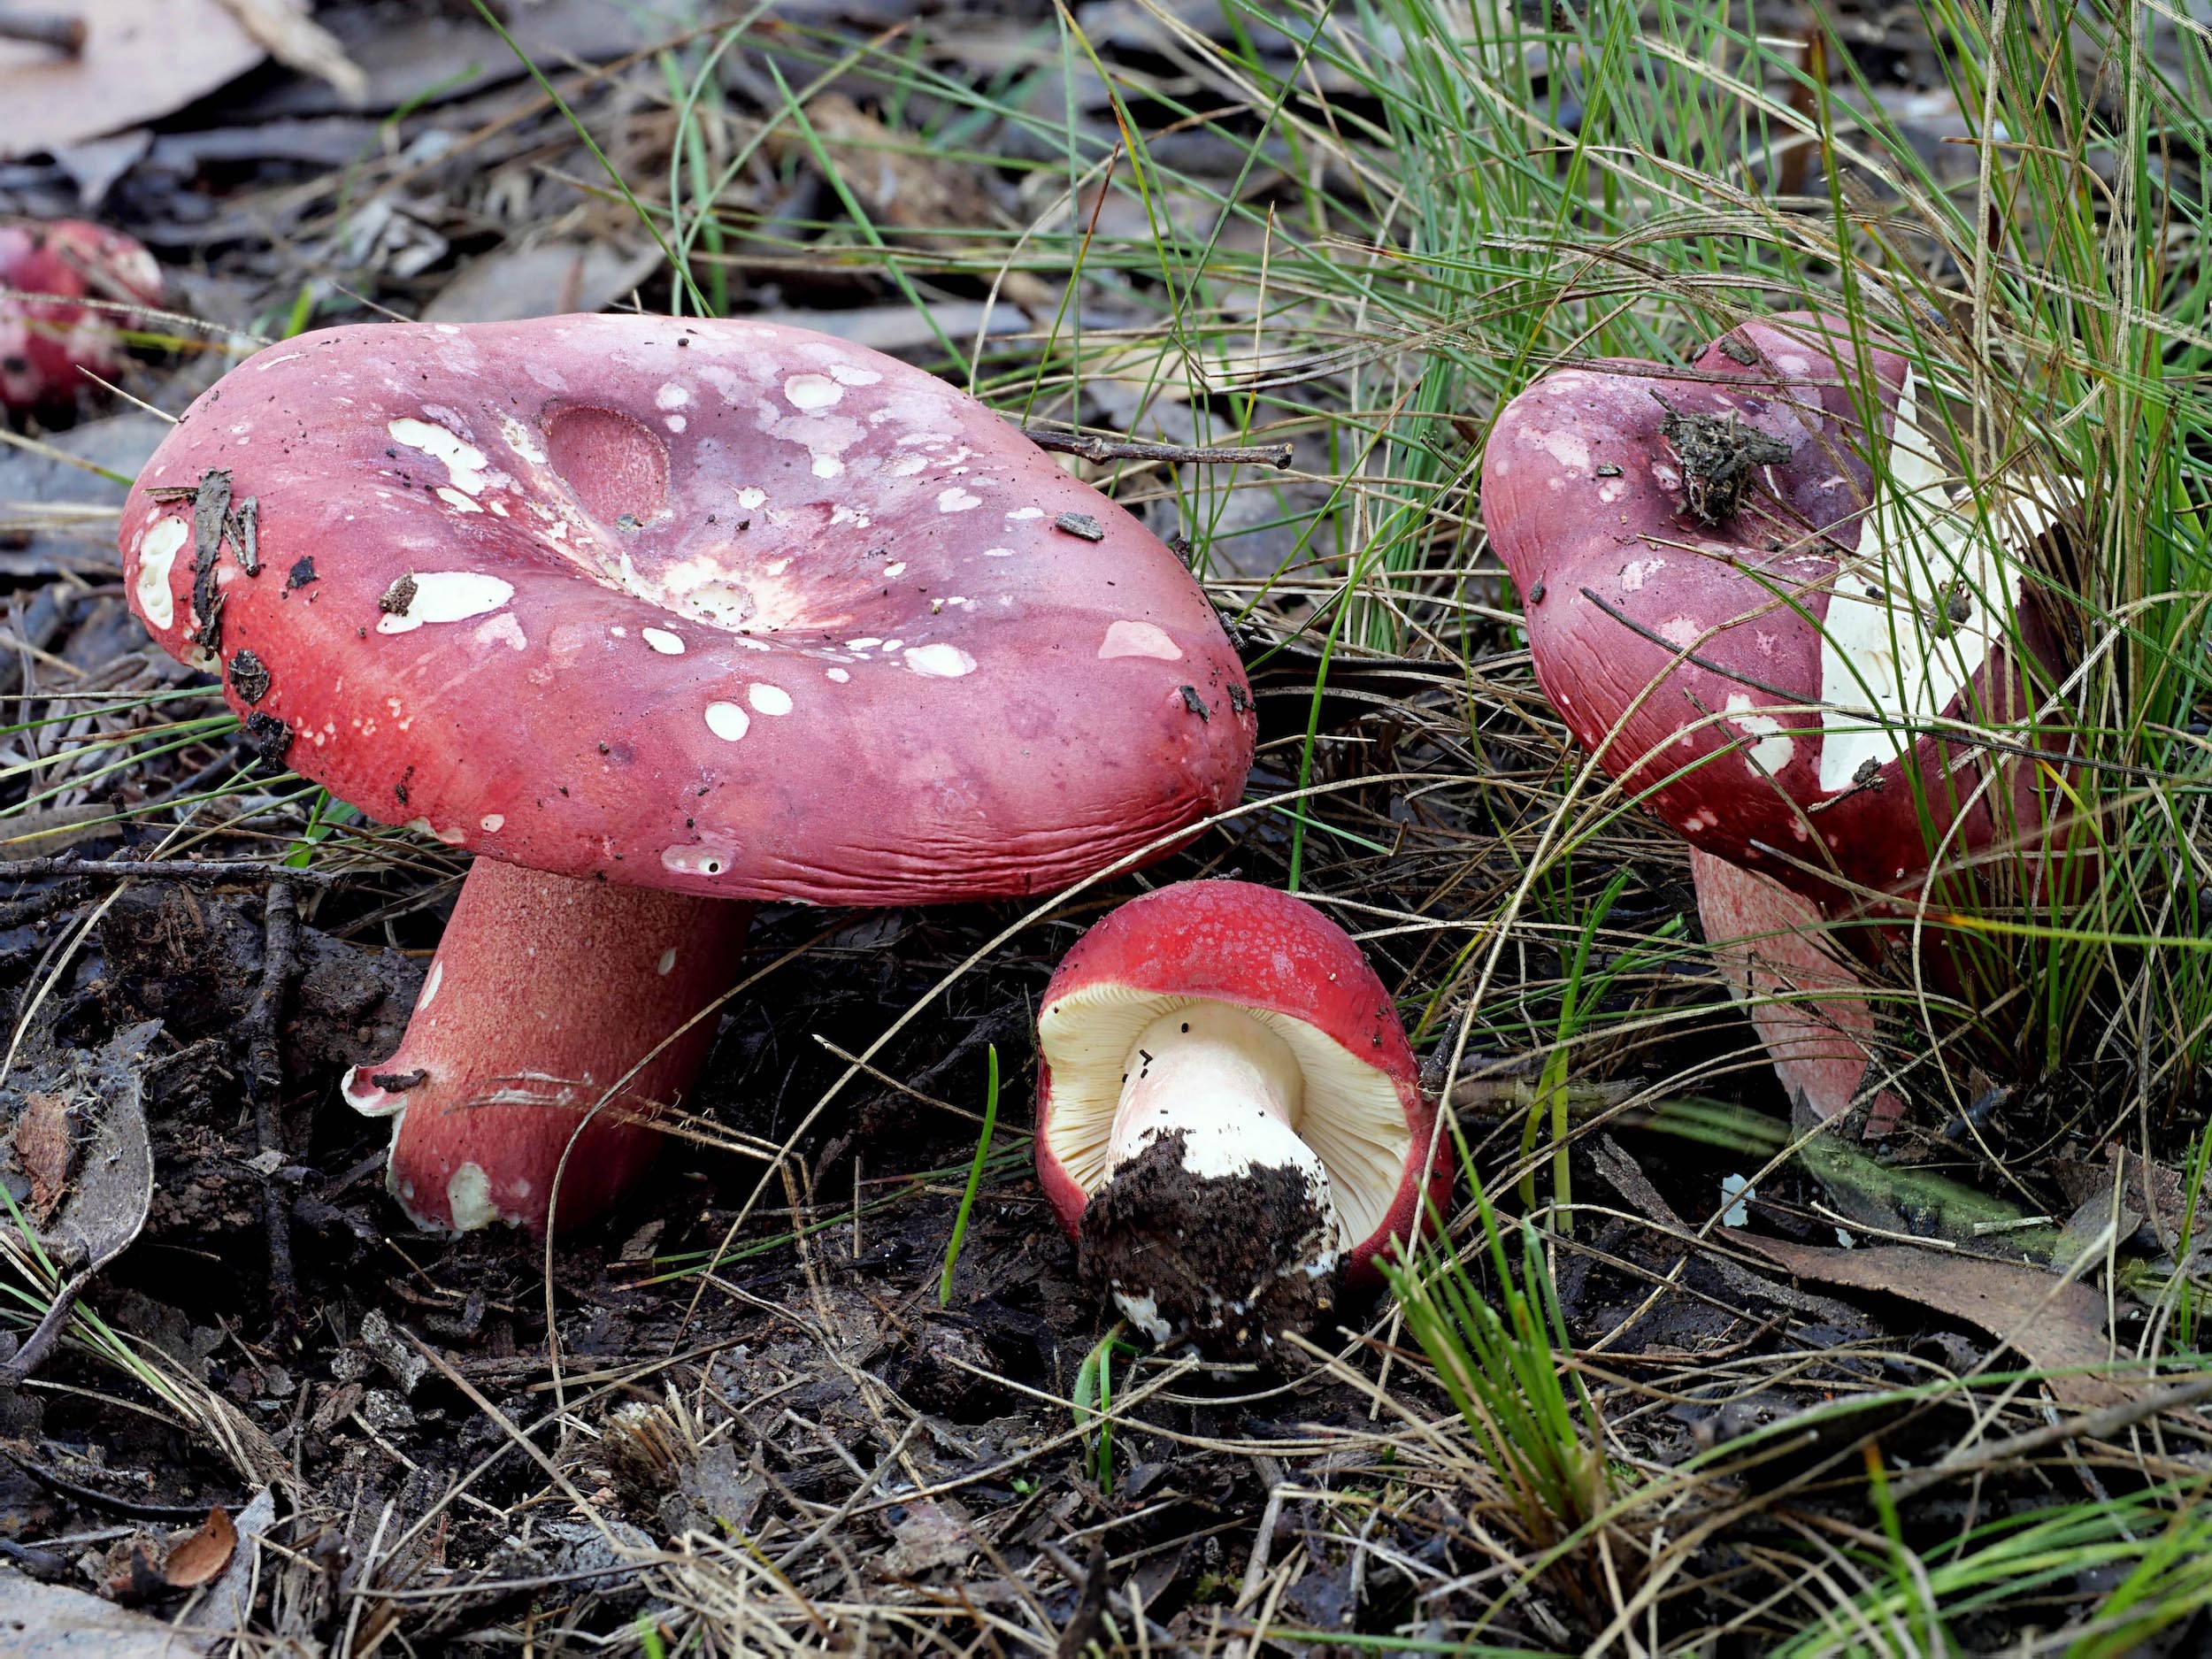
[(1891, 658)]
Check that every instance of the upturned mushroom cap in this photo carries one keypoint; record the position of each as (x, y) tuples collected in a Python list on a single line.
[(1278, 960), (1774, 675), (735, 609), (46, 345), (1810, 1006)]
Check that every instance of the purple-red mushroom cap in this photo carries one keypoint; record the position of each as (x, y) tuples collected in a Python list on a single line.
[(1779, 663), (725, 607), (1229, 1115)]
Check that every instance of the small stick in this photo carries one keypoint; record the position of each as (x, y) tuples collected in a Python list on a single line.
[(1104, 449), (164, 870), (27, 1358), (63, 33), (264, 1081)]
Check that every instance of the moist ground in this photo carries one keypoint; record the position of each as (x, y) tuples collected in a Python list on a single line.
[(1224, 1259)]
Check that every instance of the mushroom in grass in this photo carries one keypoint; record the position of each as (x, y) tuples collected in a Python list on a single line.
[(50, 341), (1228, 1114), (662, 617), (1781, 643)]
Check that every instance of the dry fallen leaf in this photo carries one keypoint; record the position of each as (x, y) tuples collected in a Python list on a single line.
[(199, 1557), (2054, 1324), (43, 1147), (142, 59), (296, 40)]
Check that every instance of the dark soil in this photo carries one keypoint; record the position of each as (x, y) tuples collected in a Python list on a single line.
[(1221, 1259)]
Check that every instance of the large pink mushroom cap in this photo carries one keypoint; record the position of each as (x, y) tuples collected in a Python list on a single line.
[(735, 609), (1229, 1113), (727, 610), (1777, 664), (49, 344)]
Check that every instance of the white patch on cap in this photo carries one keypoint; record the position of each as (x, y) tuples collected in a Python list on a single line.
[(1633, 572), (957, 500), (520, 441), (662, 640), (671, 396), (850, 375), (453, 498), (695, 861), (727, 721), (674, 422), (897, 568), (837, 674), (908, 467), (492, 822), (667, 962), (998, 552), (827, 467), (158, 544), (939, 662), (1025, 512), (464, 461), (1140, 639), (750, 497), (468, 1196), (452, 837), (1772, 751), (448, 596), (501, 630), (435, 978), (811, 392), (768, 699), (1569, 448)]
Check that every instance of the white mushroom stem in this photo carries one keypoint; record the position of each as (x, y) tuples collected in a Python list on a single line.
[(1231, 1086)]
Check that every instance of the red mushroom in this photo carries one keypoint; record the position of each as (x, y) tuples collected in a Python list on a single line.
[(1228, 1113), (48, 346), (1730, 610), (732, 611)]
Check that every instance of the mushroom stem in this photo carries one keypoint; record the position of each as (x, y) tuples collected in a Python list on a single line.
[(552, 1002), (1215, 1211), (1809, 1005), (1230, 1084)]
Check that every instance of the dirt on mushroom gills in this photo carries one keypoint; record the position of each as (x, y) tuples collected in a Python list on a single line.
[(1226, 1262), (1717, 454)]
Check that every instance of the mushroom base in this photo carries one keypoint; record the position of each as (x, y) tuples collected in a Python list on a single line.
[(557, 1016), (1225, 1263)]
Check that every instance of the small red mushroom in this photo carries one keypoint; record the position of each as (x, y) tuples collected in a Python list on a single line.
[(664, 615), (48, 345), (1229, 1115), (1730, 610)]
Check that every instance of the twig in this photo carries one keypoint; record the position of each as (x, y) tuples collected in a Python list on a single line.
[(96, 1499), (2090, 1426), (164, 869), (265, 1083), (27, 1359), (1104, 449), (63, 33)]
